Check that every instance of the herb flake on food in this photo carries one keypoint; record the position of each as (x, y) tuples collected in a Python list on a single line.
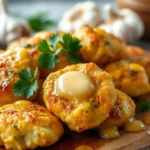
[(49, 50), (27, 83), (71, 46), (48, 58)]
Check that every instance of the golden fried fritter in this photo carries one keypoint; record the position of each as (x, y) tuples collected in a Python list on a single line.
[(140, 56), (12, 62), (18, 43), (99, 46), (31, 46), (24, 125), (123, 110), (80, 95), (129, 78), (44, 34)]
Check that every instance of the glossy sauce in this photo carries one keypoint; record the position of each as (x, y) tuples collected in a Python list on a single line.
[(109, 133), (134, 126), (75, 84)]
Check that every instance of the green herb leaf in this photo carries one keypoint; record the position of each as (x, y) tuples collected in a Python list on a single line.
[(71, 46), (19, 137), (40, 22), (44, 47), (74, 57), (145, 106), (48, 58), (15, 126), (54, 40), (27, 45), (27, 84)]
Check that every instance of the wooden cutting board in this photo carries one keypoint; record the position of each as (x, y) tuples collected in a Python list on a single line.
[(127, 141)]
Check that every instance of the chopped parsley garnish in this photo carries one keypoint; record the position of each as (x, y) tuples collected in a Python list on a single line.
[(19, 137), (70, 45), (27, 83), (145, 106), (107, 43), (15, 126), (27, 45), (48, 58)]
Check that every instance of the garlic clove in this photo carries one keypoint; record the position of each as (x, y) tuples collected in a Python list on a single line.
[(11, 28), (140, 25), (82, 13), (122, 31), (125, 24)]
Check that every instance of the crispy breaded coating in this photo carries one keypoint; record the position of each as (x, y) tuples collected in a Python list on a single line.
[(25, 125), (99, 46), (11, 63), (129, 78), (17, 43), (123, 110), (86, 112), (32, 44), (140, 56)]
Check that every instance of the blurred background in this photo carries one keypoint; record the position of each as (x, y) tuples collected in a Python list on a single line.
[(54, 10)]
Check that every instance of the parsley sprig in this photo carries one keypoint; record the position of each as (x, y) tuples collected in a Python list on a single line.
[(27, 83), (70, 45), (48, 58)]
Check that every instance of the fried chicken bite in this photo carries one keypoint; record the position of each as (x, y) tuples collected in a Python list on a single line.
[(140, 56), (18, 43), (25, 125), (129, 78), (123, 110), (11, 63), (81, 95), (99, 46)]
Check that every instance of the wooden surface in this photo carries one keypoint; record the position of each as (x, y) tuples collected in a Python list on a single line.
[(127, 141)]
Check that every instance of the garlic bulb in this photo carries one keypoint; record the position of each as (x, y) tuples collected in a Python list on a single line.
[(10, 27), (125, 24), (82, 13)]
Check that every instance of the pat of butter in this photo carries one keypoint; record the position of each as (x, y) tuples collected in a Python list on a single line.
[(75, 84)]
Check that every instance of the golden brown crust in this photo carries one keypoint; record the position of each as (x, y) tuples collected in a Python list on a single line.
[(84, 114), (140, 56), (33, 51), (24, 125), (129, 78), (18, 43), (99, 46), (11, 62), (123, 110)]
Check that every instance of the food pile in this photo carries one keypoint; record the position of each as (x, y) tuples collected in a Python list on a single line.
[(84, 80)]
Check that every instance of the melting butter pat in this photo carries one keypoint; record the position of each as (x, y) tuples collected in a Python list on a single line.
[(75, 84)]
